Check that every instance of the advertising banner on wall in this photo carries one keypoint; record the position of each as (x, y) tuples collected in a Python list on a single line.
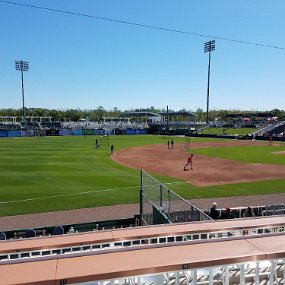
[(142, 132), (28, 133), (64, 132), (3, 134), (76, 132), (131, 131), (136, 131), (14, 134), (88, 132), (99, 132)]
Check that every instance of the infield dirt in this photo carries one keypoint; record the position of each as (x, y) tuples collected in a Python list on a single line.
[(207, 171)]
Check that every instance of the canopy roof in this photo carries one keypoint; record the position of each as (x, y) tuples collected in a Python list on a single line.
[(151, 114), (179, 113), (260, 115), (141, 114)]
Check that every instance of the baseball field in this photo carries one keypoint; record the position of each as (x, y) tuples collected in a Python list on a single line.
[(60, 173)]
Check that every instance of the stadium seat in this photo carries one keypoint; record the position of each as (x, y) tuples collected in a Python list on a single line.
[(58, 230), (2, 236), (30, 233)]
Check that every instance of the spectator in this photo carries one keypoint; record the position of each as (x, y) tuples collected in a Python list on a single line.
[(228, 214), (71, 230), (248, 212), (214, 214)]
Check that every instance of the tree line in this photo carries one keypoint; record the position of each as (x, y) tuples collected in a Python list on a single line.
[(65, 115)]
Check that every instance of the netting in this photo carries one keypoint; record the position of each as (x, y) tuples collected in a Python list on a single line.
[(187, 143), (174, 207)]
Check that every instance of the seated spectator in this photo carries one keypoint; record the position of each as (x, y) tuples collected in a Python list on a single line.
[(228, 214), (214, 214), (248, 212)]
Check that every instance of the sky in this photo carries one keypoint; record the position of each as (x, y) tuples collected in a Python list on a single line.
[(86, 62)]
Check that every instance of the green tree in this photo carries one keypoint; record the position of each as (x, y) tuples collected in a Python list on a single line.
[(200, 115)]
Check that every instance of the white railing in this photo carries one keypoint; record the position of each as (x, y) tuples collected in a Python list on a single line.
[(16, 255)]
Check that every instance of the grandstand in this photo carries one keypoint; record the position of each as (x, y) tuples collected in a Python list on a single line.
[(171, 123), (249, 251), (32, 123), (257, 120), (181, 122), (10, 126), (9, 123), (276, 130), (110, 125)]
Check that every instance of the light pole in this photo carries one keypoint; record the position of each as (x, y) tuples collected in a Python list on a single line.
[(21, 65), (208, 47)]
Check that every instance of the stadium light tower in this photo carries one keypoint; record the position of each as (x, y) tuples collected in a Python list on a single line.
[(21, 65), (209, 47)]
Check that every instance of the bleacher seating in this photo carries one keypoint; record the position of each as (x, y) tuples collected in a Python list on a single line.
[(95, 241), (51, 125), (2, 236), (170, 254), (10, 126), (31, 125), (102, 125)]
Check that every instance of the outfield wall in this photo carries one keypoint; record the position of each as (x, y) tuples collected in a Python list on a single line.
[(72, 132), (11, 134)]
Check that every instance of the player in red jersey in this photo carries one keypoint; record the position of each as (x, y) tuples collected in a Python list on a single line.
[(189, 161)]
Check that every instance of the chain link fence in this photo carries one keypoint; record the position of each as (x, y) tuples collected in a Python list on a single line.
[(270, 210), (159, 203)]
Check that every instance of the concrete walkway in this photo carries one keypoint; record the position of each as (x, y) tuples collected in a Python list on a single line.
[(123, 211)]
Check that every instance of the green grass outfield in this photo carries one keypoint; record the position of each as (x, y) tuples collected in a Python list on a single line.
[(56, 173), (229, 131)]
